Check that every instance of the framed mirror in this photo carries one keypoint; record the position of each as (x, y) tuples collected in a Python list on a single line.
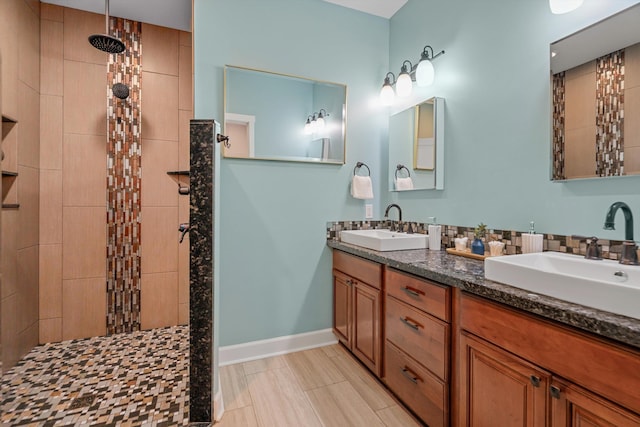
[(416, 147), (595, 85), (266, 115)]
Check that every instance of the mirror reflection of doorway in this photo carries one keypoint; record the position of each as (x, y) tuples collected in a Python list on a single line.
[(240, 130)]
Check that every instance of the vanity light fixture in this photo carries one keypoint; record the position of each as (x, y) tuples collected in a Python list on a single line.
[(386, 93), (423, 74), (404, 82), (563, 6)]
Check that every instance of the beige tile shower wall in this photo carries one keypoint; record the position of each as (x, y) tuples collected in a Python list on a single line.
[(632, 109), (73, 163), (185, 91), (20, 49), (166, 75), (72, 205), (580, 122), (51, 157)]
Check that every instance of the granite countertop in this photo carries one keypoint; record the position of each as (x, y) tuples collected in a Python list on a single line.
[(468, 275)]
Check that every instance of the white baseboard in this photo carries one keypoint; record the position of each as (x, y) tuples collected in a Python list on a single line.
[(254, 350), (218, 404)]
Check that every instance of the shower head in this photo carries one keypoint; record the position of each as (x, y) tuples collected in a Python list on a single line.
[(120, 90), (105, 42)]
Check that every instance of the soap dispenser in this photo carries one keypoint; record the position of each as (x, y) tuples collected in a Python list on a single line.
[(531, 242), (435, 235)]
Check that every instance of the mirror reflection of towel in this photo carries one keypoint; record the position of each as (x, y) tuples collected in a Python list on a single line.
[(404, 183), (361, 187)]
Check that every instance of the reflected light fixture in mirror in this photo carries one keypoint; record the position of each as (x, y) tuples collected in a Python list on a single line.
[(564, 6), (320, 120), (423, 74), (315, 122)]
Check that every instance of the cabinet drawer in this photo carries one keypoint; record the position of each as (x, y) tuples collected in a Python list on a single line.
[(420, 293), (421, 336), (358, 268), (420, 390), (599, 366)]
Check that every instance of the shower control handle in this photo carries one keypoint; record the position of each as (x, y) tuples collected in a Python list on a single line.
[(184, 229)]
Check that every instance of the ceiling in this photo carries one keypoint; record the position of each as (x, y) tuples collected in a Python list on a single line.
[(383, 8), (177, 13)]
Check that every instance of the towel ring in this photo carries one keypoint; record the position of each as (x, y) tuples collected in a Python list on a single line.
[(359, 165), (400, 167)]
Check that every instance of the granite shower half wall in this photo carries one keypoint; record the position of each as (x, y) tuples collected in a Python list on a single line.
[(81, 295)]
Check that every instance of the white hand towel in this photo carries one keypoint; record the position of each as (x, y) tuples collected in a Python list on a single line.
[(361, 187), (404, 183)]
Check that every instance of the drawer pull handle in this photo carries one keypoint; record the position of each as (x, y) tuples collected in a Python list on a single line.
[(412, 291), (535, 381), (411, 323), (555, 392), (350, 282), (410, 375)]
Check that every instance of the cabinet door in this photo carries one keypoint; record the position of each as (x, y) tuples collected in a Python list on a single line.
[(576, 407), (342, 312), (366, 325), (499, 389)]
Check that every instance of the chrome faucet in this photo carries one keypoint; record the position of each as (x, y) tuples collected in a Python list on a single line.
[(629, 248), (393, 205), (386, 213)]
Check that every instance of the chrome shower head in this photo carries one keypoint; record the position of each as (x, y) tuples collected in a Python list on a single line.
[(120, 90), (105, 42)]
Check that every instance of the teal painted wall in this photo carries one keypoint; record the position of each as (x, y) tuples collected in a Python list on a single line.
[(495, 79), (275, 268)]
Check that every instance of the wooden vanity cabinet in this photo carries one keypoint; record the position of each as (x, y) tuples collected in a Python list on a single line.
[(516, 369), (357, 307), (417, 345), (501, 389)]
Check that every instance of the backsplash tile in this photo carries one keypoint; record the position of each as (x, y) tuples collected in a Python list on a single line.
[(511, 238)]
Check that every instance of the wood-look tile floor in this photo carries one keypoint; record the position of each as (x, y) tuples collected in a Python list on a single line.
[(325, 386)]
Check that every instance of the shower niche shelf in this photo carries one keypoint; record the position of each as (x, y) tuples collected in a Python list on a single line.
[(9, 163), (182, 179)]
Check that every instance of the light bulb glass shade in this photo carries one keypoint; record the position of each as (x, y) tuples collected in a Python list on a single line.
[(307, 128), (319, 123), (425, 73), (404, 85), (564, 6), (387, 95)]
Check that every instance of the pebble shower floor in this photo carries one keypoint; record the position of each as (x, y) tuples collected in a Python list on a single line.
[(137, 379)]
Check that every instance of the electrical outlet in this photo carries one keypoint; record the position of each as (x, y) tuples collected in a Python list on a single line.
[(368, 211)]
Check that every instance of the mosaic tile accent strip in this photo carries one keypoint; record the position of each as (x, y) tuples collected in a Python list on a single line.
[(558, 125), (611, 249), (134, 379), (123, 182), (610, 114)]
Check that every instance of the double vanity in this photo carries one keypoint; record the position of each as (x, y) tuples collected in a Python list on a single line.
[(562, 348)]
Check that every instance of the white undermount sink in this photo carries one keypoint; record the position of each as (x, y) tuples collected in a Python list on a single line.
[(603, 284), (385, 240)]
